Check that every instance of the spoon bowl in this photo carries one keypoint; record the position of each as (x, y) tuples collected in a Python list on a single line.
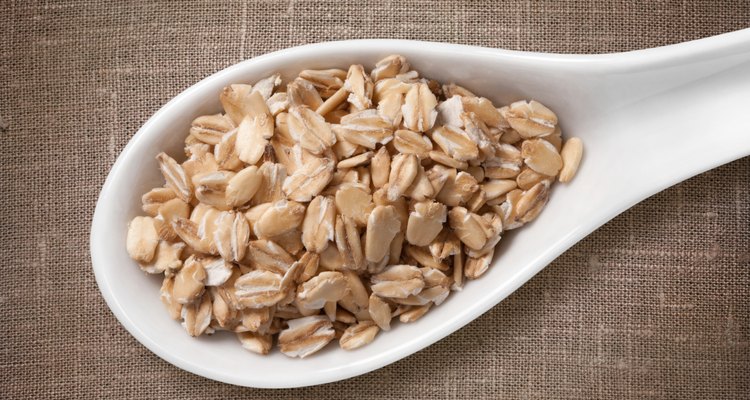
[(648, 119)]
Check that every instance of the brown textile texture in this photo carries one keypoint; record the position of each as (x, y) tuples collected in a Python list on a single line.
[(656, 304)]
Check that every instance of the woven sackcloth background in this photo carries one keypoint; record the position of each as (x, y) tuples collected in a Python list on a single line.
[(656, 304)]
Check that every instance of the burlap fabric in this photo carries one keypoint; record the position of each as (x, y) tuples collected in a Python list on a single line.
[(653, 305)]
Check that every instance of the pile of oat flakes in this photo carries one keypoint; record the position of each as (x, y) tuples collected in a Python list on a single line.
[(329, 206)]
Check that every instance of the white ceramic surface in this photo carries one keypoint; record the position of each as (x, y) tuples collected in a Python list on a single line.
[(648, 119)]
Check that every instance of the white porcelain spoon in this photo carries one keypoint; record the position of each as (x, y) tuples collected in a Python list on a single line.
[(648, 119)]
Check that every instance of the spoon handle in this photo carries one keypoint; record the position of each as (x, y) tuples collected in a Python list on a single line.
[(672, 113)]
